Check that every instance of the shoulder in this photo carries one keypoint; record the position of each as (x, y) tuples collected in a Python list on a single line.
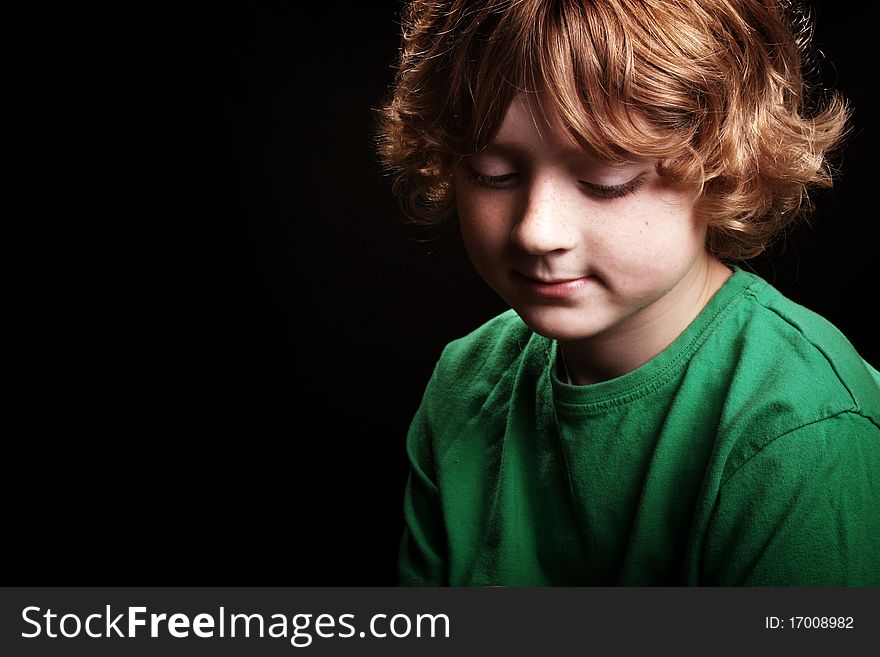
[(809, 346), (477, 373), (493, 347), (789, 369)]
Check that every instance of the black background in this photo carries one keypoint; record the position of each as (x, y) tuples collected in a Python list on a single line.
[(220, 326)]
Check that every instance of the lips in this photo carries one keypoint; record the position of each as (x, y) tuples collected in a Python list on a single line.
[(550, 280), (553, 281), (552, 287)]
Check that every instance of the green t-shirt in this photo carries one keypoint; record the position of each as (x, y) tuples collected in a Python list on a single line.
[(746, 453)]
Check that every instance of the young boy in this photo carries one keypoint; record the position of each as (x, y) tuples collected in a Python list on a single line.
[(647, 413)]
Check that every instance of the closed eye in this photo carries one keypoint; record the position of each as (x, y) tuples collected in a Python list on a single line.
[(492, 182), (595, 190), (614, 191)]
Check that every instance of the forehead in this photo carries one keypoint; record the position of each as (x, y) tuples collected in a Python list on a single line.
[(529, 119), (531, 125)]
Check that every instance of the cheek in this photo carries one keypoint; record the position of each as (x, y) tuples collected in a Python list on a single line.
[(482, 222), (657, 238)]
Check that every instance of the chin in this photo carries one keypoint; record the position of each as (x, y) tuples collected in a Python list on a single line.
[(563, 324)]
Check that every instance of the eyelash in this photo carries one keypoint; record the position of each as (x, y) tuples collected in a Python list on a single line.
[(594, 189), (616, 191)]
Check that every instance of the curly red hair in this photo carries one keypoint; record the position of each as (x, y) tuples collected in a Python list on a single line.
[(713, 90)]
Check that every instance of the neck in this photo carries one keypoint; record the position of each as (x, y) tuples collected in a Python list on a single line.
[(638, 339)]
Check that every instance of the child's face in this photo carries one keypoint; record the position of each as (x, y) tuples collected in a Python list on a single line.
[(578, 247)]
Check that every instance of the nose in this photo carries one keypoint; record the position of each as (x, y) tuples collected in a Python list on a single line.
[(547, 222)]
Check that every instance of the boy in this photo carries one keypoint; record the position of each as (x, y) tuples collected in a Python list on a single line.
[(647, 413)]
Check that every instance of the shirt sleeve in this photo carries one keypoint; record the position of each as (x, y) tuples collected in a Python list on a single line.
[(422, 560), (803, 511)]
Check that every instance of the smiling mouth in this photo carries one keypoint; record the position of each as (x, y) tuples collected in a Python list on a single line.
[(553, 288)]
